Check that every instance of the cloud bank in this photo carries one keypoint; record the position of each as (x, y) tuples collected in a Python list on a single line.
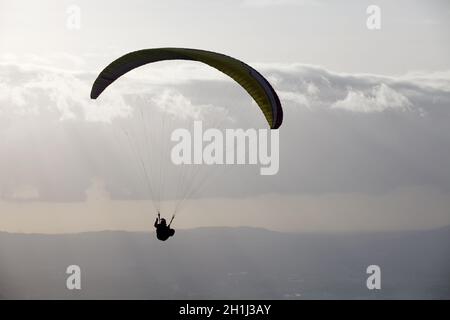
[(361, 138)]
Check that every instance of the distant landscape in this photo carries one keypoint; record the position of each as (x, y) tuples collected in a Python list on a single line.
[(226, 263)]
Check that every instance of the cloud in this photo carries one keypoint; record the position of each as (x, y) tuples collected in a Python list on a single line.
[(341, 132), (297, 98), (28, 89), (380, 99), (32, 90), (315, 88), (177, 105)]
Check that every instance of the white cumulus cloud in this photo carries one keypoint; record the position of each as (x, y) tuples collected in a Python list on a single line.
[(381, 98)]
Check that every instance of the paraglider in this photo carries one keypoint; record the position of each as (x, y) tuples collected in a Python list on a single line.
[(250, 79), (247, 77), (163, 231)]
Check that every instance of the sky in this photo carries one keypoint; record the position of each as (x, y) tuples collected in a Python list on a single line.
[(364, 146)]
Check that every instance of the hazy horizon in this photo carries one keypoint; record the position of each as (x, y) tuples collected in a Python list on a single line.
[(226, 263)]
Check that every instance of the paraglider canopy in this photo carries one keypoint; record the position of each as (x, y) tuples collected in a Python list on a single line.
[(250, 79)]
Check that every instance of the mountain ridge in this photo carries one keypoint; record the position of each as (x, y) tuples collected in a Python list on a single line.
[(226, 263)]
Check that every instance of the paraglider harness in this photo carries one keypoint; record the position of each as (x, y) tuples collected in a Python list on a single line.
[(163, 231)]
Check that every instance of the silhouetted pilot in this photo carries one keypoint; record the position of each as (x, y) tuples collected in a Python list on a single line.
[(163, 231)]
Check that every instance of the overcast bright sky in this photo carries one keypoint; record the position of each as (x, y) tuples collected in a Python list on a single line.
[(365, 144)]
